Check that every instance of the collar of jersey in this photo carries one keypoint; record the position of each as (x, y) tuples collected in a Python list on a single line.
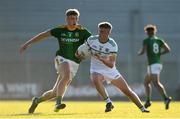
[(102, 42), (78, 26), (153, 37)]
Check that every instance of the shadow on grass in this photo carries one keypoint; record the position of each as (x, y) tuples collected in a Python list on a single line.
[(21, 114), (44, 115)]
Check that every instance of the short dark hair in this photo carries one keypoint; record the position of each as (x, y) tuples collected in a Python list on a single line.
[(150, 27), (106, 25), (72, 12)]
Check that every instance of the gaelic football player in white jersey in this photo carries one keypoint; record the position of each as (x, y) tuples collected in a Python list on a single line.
[(104, 50)]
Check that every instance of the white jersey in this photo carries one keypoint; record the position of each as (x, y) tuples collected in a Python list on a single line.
[(104, 49)]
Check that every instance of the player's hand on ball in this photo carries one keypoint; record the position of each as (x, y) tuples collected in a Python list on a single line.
[(79, 56)]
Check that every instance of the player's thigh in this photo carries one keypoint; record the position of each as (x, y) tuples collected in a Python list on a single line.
[(95, 77), (148, 79), (121, 84), (64, 69), (62, 66)]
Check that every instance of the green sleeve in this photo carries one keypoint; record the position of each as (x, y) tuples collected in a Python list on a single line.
[(55, 32), (162, 42)]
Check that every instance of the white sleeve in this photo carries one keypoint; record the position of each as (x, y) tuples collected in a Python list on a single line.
[(89, 41), (114, 48)]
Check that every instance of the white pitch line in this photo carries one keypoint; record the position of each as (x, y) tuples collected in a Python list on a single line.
[(88, 118)]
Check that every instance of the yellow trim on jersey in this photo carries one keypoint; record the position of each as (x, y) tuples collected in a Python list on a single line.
[(79, 27)]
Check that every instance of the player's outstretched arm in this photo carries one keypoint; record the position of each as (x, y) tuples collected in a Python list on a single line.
[(36, 38), (166, 49), (142, 50)]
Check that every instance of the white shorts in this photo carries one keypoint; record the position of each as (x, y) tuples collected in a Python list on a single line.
[(154, 68), (73, 65), (108, 75)]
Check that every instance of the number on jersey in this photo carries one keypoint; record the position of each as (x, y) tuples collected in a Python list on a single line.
[(155, 48)]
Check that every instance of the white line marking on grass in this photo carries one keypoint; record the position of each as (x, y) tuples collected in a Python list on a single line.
[(85, 118)]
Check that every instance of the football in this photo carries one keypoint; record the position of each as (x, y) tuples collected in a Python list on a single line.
[(85, 51)]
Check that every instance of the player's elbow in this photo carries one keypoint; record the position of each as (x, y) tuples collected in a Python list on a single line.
[(169, 49)]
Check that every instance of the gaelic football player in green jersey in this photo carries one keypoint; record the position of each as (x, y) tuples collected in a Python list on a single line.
[(154, 48), (70, 37)]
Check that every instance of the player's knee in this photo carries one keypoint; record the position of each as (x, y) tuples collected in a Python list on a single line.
[(53, 93)]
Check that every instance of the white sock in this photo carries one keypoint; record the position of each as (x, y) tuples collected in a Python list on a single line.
[(142, 108), (108, 100)]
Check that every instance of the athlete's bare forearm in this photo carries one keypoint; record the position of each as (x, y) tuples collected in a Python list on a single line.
[(36, 38), (165, 52), (142, 50), (166, 49)]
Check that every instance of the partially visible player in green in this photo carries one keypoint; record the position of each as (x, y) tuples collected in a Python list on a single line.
[(154, 48), (70, 37)]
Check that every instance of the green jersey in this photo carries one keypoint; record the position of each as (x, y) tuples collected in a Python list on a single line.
[(154, 45), (69, 41)]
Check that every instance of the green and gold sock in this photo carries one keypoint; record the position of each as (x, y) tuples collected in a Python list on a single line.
[(58, 100), (148, 99)]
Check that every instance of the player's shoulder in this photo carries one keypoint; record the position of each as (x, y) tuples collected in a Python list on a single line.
[(112, 42), (145, 39), (61, 26), (58, 27), (80, 27), (159, 38), (93, 37)]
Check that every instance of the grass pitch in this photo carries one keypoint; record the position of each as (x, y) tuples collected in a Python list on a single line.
[(82, 109)]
